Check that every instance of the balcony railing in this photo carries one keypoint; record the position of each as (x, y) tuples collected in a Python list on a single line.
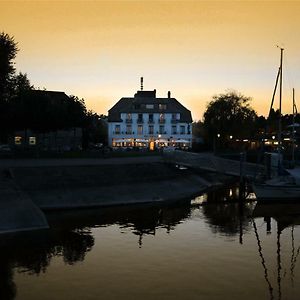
[(174, 121), (128, 120), (162, 121), (151, 121), (140, 121)]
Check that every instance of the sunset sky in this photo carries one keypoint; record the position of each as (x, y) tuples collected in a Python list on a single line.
[(99, 50)]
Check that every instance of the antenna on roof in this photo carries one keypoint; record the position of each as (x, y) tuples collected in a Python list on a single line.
[(142, 80)]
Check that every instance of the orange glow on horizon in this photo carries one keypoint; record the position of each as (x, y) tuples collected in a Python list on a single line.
[(98, 50)]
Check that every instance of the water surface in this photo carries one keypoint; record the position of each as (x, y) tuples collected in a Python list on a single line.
[(216, 250)]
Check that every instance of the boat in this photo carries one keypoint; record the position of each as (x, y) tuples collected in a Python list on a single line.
[(286, 185)]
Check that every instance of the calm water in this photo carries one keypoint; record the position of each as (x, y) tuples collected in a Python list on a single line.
[(217, 250)]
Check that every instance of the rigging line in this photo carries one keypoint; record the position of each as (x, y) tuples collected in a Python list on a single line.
[(263, 262), (293, 255), (278, 262), (295, 258)]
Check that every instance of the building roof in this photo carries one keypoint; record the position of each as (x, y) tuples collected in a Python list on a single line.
[(137, 104), (53, 95)]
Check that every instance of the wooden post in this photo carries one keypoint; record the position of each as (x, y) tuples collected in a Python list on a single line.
[(242, 180)]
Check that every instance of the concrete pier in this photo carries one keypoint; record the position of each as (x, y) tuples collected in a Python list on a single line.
[(17, 211), (28, 189)]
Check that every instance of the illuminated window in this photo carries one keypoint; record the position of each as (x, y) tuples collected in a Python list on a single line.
[(129, 129), (32, 140), (18, 140), (162, 118), (162, 106), (149, 106), (140, 129)]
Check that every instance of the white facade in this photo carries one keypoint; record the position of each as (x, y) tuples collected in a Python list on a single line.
[(147, 129)]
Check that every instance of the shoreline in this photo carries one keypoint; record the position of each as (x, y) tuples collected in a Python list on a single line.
[(29, 191)]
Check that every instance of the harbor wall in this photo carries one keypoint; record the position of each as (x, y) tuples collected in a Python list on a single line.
[(30, 190)]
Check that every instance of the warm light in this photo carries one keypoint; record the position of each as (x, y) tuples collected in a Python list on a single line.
[(273, 137), (218, 135), (246, 140), (159, 135), (18, 140), (286, 139), (32, 140), (230, 137)]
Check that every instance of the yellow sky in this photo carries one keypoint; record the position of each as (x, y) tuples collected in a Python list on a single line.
[(98, 50)]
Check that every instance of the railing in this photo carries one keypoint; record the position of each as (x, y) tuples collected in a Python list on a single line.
[(174, 121), (162, 121), (150, 121), (140, 121), (128, 120), (212, 163)]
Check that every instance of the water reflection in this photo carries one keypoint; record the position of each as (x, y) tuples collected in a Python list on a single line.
[(286, 217), (71, 235)]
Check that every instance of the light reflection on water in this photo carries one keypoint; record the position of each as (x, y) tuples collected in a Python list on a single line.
[(218, 250)]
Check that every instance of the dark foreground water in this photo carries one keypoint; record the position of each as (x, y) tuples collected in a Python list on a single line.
[(218, 250)]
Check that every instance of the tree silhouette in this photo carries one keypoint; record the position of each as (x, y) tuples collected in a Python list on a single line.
[(229, 114)]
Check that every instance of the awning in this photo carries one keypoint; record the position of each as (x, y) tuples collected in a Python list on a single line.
[(161, 141), (182, 141)]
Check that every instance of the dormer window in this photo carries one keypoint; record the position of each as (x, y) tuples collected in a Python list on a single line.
[(149, 106), (162, 106)]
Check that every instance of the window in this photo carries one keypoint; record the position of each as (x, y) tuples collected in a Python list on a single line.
[(162, 106), (149, 106), (151, 129), (140, 129), (18, 140), (32, 140), (150, 118), (117, 129), (161, 129), (174, 129), (128, 118), (182, 129), (128, 129), (162, 118), (140, 118)]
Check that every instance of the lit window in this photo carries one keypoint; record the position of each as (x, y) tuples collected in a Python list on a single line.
[(161, 118), (162, 106), (32, 140), (140, 129), (129, 129), (18, 140)]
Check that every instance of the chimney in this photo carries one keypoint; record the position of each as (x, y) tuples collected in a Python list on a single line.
[(169, 94)]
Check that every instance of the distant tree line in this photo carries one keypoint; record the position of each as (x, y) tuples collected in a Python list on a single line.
[(230, 115), (24, 107)]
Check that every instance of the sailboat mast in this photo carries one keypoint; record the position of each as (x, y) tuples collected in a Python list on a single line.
[(293, 128), (280, 100)]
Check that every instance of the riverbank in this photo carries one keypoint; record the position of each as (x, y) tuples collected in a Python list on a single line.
[(49, 186)]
